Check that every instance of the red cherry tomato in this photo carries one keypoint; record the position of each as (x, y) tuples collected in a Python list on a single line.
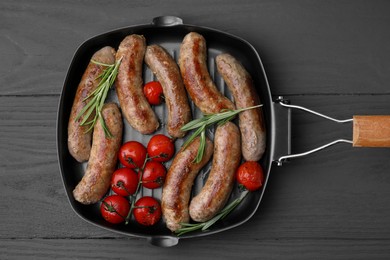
[(132, 154), (124, 181), (147, 211), (154, 92), (161, 148), (250, 175), (114, 209), (153, 175)]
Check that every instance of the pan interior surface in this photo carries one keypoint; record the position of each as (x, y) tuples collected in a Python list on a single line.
[(170, 38)]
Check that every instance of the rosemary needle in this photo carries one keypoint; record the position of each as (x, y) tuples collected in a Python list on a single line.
[(98, 97), (202, 123)]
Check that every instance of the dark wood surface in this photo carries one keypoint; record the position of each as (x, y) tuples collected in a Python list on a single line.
[(331, 56)]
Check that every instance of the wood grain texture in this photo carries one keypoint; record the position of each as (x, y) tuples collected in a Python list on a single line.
[(333, 57), (320, 47), (127, 249), (371, 131)]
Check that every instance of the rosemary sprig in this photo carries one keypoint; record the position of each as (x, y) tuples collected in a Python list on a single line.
[(208, 120), (189, 227), (98, 97)]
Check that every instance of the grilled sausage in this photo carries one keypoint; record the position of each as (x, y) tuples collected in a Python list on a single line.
[(251, 122), (167, 72), (197, 80), (79, 140), (104, 154), (178, 183), (129, 85), (226, 159)]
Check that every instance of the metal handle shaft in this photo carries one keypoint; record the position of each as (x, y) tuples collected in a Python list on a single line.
[(279, 161)]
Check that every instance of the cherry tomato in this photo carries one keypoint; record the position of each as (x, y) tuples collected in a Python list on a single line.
[(250, 175), (114, 209), (147, 211), (153, 175), (154, 92), (161, 148), (132, 154), (124, 181)]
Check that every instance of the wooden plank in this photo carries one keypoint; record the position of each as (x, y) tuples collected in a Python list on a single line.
[(305, 47), (333, 57), (195, 249), (36, 204)]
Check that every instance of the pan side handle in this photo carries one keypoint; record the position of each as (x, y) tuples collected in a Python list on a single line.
[(163, 241), (281, 138), (167, 20)]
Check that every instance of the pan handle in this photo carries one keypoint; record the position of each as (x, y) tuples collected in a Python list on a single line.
[(167, 20), (280, 159), (284, 158), (371, 131), (368, 131), (163, 241)]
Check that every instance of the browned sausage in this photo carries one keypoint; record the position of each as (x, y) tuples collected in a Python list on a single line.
[(197, 80), (178, 183), (104, 154), (129, 85), (251, 122), (226, 159), (79, 141), (167, 72)]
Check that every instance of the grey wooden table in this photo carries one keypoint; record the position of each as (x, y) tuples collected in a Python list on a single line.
[(331, 56)]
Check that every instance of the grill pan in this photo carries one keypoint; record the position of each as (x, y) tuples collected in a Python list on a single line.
[(169, 31)]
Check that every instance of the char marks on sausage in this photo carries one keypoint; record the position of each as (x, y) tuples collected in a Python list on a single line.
[(129, 85), (168, 74), (219, 184), (179, 181), (197, 80), (79, 140), (103, 159), (251, 122)]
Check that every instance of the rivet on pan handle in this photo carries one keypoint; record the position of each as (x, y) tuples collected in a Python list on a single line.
[(368, 131)]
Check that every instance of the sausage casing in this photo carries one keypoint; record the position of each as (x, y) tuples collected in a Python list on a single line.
[(129, 85), (168, 74), (179, 181), (79, 140), (251, 122), (219, 184), (197, 80), (103, 159)]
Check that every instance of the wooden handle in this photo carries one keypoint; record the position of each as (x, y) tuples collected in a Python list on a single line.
[(371, 131)]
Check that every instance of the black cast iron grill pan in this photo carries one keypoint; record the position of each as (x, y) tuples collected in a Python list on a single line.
[(169, 32)]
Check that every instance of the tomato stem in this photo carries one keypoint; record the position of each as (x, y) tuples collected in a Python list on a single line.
[(111, 208), (151, 208), (158, 180), (121, 185), (161, 155), (134, 197), (131, 161)]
